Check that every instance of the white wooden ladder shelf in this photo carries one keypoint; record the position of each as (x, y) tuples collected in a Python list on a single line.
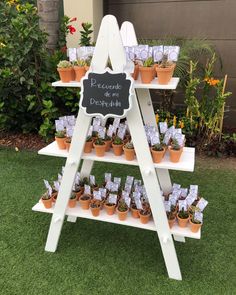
[(109, 44)]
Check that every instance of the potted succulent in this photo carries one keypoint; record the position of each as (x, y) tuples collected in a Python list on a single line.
[(146, 70), (84, 201), (67, 143), (65, 71), (100, 147), (60, 138), (110, 207), (158, 152), (88, 145), (79, 68), (144, 214), (95, 207), (165, 70), (129, 151), (122, 210), (195, 225), (183, 218), (108, 141), (137, 64), (47, 200), (171, 218), (79, 190), (72, 200), (94, 135), (134, 211), (175, 151), (117, 146)]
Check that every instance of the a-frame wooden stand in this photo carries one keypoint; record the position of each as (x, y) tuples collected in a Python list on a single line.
[(109, 44)]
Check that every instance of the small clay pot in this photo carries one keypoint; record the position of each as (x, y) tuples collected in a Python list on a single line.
[(79, 73), (164, 75), (47, 203), (84, 203), (157, 156), (88, 147), (136, 72), (66, 74), (146, 74), (95, 210), (134, 211), (100, 150), (194, 226), (183, 222), (129, 154), (72, 203), (122, 215), (117, 149), (108, 145), (67, 145), (79, 193), (61, 142), (144, 218), (175, 154), (171, 222), (110, 209)]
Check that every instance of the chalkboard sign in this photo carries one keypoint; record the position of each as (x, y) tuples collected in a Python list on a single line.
[(107, 94)]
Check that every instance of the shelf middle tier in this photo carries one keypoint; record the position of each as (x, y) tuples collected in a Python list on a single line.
[(186, 162)]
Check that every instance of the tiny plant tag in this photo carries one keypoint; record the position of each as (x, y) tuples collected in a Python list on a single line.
[(117, 180), (167, 205), (109, 185), (87, 189), (154, 138), (112, 199), (124, 194), (90, 131), (92, 180), (184, 192), (101, 132), (110, 130), (59, 125), (103, 192), (56, 185), (201, 205), (138, 204), (128, 201), (50, 190), (163, 127), (46, 183), (116, 122), (97, 195), (173, 200), (176, 186), (107, 177), (182, 205), (167, 138), (190, 199), (114, 187), (128, 188), (62, 170), (77, 178), (129, 180), (198, 216)]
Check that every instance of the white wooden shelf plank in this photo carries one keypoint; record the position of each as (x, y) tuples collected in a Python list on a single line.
[(130, 221), (186, 163), (137, 84)]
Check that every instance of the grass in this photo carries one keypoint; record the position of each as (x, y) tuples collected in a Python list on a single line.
[(101, 258)]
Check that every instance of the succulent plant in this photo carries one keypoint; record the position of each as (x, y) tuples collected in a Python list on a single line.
[(158, 147), (64, 64), (117, 141), (80, 63), (183, 214), (99, 141), (164, 62), (122, 206), (175, 145), (129, 145), (149, 62), (60, 134)]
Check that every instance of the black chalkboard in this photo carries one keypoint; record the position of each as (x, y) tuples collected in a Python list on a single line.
[(106, 94)]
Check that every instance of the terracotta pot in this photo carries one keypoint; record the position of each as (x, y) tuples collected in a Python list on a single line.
[(154, 70), (171, 222), (134, 212), (144, 218), (108, 145), (72, 203), (61, 143), (164, 74), (175, 155), (136, 72), (110, 209), (67, 145), (100, 150), (117, 149), (146, 74), (194, 226), (122, 215), (157, 155), (87, 68), (85, 203), (129, 154), (95, 211), (183, 222), (47, 203), (54, 197), (88, 147), (79, 193), (66, 74), (79, 73)]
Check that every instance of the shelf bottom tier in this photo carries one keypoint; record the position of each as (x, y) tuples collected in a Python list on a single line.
[(130, 221)]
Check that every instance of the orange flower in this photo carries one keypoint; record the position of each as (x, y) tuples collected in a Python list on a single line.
[(212, 81), (157, 118)]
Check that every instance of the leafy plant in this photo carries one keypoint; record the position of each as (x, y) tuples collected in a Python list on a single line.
[(175, 145), (85, 34), (99, 141), (129, 145), (80, 63), (64, 64), (164, 63), (117, 141), (60, 134), (149, 62), (158, 147), (183, 214), (122, 206)]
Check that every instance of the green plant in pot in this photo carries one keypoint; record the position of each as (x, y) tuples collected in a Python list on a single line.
[(195, 224), (88, 145), (129, 151), (171, 218), (146, 71), (145, 213), (175, 151), (108, 141), (122, 210), (80, 69), (60, 138), (165, 70), (100, 147), (95, 207), (72, 200), (65, 70), (183, 218), (158, 152), (117, 146), (47, 200)]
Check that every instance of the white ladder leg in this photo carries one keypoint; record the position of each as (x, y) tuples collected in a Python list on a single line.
[(153, 190), (71, 167)]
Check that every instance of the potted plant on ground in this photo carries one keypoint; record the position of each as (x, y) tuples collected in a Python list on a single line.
[(80, 70), (67, 143), (145, 213), (65, 71), (158, 152), (195, 224), (72, 200), (88, 145), (183, 218), (95, 207), (47, 200), (122, 210), (146, 71), (117, 146), (165, 70), (84, 201), (100, 147), (60, 138), (129, 151), (175, 151), (108, 141)]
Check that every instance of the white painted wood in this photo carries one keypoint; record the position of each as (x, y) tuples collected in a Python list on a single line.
[(186, 161), (86, 168), (128, 34), (164, 179), (71, 218), (137, 84), (180, 238), (130, 221), (146, 107)]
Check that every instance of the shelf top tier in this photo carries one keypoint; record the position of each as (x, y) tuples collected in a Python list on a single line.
[(130, 221), (186, 162), (137, 84)]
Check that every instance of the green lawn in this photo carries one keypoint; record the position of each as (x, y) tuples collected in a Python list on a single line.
[(101, 258)]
